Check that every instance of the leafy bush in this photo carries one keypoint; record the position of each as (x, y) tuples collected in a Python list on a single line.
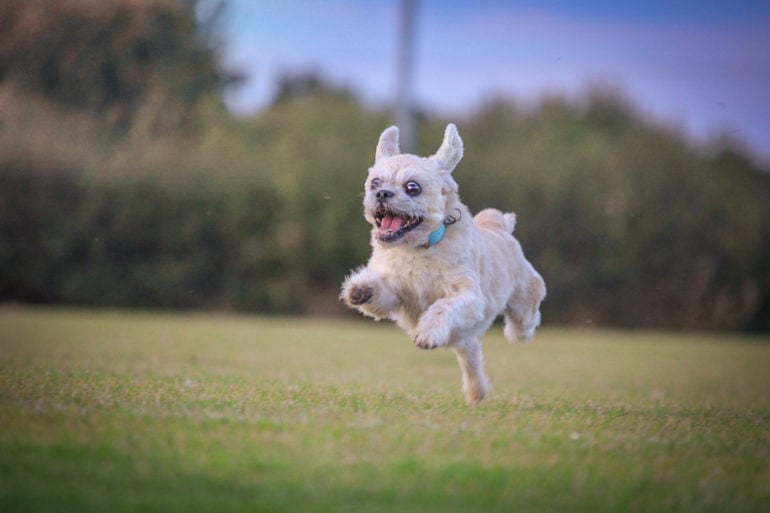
[(137, 243)]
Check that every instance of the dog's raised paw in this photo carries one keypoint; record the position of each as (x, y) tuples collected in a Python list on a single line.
[(360, 295), (428, 340), (425, 343)]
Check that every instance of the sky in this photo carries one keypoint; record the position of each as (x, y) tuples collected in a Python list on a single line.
[(702, 66)]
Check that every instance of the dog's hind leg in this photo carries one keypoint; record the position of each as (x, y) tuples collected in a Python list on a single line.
[(471, 360), (522, 314), (520, 328)]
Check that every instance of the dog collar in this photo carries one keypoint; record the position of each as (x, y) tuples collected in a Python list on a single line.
[(435, 236)]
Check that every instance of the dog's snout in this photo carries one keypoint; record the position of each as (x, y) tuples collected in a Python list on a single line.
[(384, 194)]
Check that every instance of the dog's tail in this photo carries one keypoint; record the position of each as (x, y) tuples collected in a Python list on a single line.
[(509, 220), (494, 219)]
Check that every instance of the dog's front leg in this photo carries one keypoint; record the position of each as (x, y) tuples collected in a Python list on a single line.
[(366, 292), (471, 360), (444, 316)]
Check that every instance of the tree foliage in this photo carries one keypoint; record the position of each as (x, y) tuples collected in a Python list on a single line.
[(109, 57), (629, 223)]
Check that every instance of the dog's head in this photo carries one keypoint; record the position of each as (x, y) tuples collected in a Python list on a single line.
[(406, 197)]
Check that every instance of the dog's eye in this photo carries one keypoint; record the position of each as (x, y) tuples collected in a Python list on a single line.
[(375, 183), (412, 188)]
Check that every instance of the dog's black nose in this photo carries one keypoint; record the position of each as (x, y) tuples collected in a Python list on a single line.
[(384, 194)]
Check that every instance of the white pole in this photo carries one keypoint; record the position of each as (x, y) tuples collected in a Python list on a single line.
[(404, 115)]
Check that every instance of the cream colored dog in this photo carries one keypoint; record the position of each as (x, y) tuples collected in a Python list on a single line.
[(441, 275)]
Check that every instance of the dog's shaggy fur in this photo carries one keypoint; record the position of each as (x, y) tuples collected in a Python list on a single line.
[(440, 274)]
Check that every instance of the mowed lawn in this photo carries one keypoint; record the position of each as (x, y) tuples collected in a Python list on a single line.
[(116, 411)]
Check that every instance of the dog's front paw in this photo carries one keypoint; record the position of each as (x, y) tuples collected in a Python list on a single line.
[(359, 295), (430, 339), (432, 331), (425, 341)]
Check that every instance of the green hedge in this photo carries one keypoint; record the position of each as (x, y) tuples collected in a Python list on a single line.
[(137, 243), (629, 224)]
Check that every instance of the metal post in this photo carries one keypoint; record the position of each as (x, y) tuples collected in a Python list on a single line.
[(404, 115)]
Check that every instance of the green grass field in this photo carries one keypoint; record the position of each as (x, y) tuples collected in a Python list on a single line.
[(116, 411)]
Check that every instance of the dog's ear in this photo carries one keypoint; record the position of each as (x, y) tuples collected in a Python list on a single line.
[(388, 144), (451, 150)]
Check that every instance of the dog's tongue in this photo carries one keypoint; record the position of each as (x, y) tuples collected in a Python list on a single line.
[(390, 223)]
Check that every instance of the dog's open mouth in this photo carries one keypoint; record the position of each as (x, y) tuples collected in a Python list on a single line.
[(392, 226)]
